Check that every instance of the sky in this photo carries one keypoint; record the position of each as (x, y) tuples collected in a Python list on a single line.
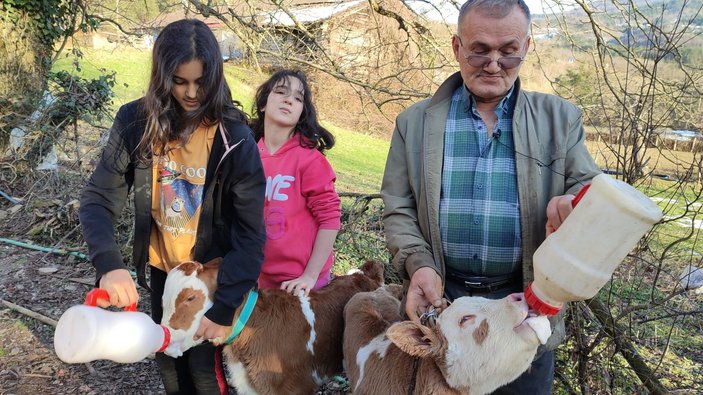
[(450, 13), (535, 6)]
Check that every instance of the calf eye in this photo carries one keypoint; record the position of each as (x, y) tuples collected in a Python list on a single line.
[(191, 298), (467, 319)]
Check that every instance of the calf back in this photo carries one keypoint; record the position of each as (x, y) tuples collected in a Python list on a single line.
[(291, 344)]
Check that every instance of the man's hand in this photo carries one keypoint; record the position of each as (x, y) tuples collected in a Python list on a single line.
[(119, 285), (210, 331), (425, 289), (558, 208), (304, 282)]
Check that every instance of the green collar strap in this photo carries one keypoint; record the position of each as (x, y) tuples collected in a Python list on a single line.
[(244, 315)]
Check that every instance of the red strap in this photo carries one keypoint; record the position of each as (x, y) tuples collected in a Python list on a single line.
[(220, 372), (91, 298)]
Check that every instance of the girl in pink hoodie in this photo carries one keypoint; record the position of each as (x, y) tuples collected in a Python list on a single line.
[(302, 209)]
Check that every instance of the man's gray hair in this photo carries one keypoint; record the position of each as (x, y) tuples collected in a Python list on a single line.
[(496, 8)]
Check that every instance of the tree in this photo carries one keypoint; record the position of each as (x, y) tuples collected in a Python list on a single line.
[(634, 74), (34, 32)]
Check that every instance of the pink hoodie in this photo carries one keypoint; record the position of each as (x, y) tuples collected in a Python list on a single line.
[(300, 199)]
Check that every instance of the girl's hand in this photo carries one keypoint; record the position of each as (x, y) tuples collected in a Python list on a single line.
[(210, 331), (119, 285), (304, 282)]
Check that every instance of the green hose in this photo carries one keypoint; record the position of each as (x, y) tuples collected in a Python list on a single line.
[(57, 251)]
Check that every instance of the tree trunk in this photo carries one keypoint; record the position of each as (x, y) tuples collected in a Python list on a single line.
[(627, 349), (23, 59)]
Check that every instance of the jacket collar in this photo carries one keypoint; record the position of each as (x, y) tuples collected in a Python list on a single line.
[(446, 90)]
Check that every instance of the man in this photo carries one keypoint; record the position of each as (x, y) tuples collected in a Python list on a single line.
[(478, 173)]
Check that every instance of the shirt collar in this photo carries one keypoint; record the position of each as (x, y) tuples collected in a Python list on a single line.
[(504, 107)]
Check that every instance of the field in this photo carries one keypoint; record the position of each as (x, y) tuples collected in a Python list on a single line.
[(358, 159)]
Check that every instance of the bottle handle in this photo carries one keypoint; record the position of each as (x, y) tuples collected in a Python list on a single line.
[(91, 298), (575, 200), (579, 195)]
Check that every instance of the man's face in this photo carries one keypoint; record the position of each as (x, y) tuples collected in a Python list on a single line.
[(483, 34)]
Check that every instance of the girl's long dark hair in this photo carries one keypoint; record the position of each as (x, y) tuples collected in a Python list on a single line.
[(178, 43), (310, 133)]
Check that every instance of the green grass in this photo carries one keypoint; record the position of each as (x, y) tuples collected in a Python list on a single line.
[(131, 66), (358, 160), (243, 83)]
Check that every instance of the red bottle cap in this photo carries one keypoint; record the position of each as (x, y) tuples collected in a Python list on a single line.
[(539, 306), (167, 339)]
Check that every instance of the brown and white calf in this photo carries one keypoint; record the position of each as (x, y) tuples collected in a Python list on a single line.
[(473, 347), (290, 344)]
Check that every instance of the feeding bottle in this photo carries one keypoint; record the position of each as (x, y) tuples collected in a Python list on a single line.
[(86, 333), (575, 262)]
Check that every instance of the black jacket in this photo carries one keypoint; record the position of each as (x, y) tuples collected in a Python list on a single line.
[(231, 222)]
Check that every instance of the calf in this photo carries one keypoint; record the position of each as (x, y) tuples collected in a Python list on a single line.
[(474, 346), (290, 344)]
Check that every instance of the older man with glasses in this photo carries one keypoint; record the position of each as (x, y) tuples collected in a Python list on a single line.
[(478, 175)]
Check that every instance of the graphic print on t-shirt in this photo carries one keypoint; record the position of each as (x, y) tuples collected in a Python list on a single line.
[(180, 199), (275, 217)]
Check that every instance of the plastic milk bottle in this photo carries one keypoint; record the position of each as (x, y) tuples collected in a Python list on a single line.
[(576, 261), (86, 333)]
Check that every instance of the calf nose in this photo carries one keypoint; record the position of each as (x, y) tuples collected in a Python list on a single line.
[(517, 297)]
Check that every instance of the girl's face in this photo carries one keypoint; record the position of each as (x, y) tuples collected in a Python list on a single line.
[(285, 103), (186, 85)]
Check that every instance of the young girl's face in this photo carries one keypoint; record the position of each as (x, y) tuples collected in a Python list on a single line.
[(186, 85), (285, 103)]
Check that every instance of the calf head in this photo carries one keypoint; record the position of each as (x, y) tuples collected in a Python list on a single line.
[(478, 344), (187, 296)]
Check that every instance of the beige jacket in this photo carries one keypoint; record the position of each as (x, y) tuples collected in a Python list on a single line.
[(548, 134)]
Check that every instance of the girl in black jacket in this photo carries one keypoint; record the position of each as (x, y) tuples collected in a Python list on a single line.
[(185, 151)]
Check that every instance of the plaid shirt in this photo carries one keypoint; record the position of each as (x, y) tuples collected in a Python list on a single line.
[(479, 210)]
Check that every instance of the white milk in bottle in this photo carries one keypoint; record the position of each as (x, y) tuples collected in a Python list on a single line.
[(576, 261), (87, 333)]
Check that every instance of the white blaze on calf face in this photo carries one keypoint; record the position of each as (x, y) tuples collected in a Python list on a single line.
[(488, 338), (185, 301)]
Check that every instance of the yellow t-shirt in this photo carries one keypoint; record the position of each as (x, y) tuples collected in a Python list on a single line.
[(177, 195)]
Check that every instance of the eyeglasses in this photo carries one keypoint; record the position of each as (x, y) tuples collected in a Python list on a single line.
[(483, 61), (504, 62)]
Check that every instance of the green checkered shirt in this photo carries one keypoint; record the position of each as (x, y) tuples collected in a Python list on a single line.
[(479, 210)]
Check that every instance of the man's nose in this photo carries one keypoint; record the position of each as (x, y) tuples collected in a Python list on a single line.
[(493, 66)]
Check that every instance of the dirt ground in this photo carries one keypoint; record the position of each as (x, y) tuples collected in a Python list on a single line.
[(48, 285)]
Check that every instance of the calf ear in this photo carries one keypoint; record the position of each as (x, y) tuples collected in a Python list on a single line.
[(208, 274), (414, 339), (215, 262), (190, 267)]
